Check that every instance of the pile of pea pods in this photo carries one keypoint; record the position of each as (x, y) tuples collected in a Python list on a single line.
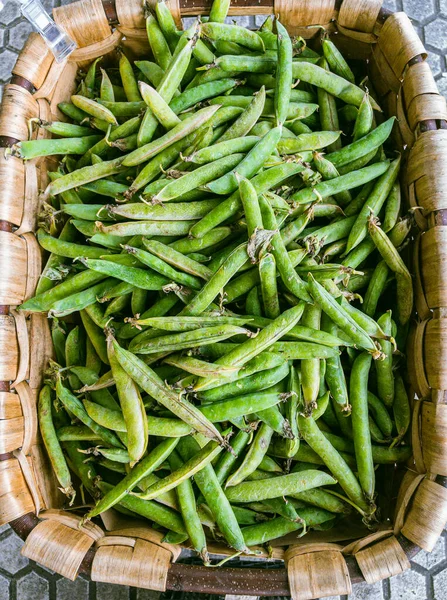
[(228, 301)]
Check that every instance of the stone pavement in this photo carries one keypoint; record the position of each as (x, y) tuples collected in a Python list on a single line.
[(21, 579)]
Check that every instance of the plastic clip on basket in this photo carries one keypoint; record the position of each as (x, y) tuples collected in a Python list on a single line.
[(123, 550)]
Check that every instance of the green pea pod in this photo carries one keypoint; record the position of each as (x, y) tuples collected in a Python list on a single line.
[(358, 394), (192, 466), (269, 290), (132, 407), (147, 465), (52, 445), (247, 119), (74, 406), (145, 377), (336, 60)]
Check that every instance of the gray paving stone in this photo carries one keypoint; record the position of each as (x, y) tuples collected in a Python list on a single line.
[(71, 590), (442, 84), (436, 34), (11, 560), (18, 35), (7, 61), (107, 591), (420, 11), (4, 528), (410, 585), (4, 588), (440, 585), (33, 587), (363, 591), (428, 560), (147, 595), (10, 12), (436, 63)]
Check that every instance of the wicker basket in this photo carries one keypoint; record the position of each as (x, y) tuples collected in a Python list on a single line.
[(133, 554)]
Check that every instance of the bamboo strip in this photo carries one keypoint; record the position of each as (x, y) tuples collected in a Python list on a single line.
[(434, 437), (416, 365), (317, 574), (359, 15), (57, 547), (34, 60), (427, 516), (11, 434), (41, 349), (296, 15), (46, 478), (358, 545), (14, 267), (150, 535), (144, 565), (23, 343), (31, 199), (30, 480), (400, 43), (409, 485), (130, 13), (382, 560), (10, 407), (10, 348), (420, 300), (416, 443), (34, 261), (17, 107), (12, 176), (434, 253), (85, 21), (28, 407), (15, 499), (74, 522), (82, 56)]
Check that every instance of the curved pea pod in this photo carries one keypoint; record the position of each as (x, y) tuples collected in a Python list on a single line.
[(332, 83), (310, 368), (332, 459), (94, 109), (159, 107), (104, 417), (178, 132), (280, 526), (256, 451), (380, 415), (240, 64), (283, 485), (269, 290), (215, 498), (188, 509), (358, 394), (307, 141), (363, 320), (157, 42), (252, 383), (365, 119), (292, 406), (249, 165), (188, 264), (202, 176), (226, 461), (392, 207), (144, 279), (373, 204), (186, 339), (284, 73), (401, 409), (143, 468), (339, 184), (232, 33), (238, 406), (153, 72), (74, 406), (254, 346), (336, 60), (132, 407), (216, 283), (221, 149), (146, 378), (52, 445), (96, 336), (394, 261), (160, 266), (384, 368), (375, 288), (68, 249), (50, 147), (192, 466), (328, 171), (247, 119), (341, 318)]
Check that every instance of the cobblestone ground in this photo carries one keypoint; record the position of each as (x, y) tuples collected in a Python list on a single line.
[(21, 579)]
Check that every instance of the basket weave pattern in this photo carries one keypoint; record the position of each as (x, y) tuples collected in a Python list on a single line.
[(136, 556)]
